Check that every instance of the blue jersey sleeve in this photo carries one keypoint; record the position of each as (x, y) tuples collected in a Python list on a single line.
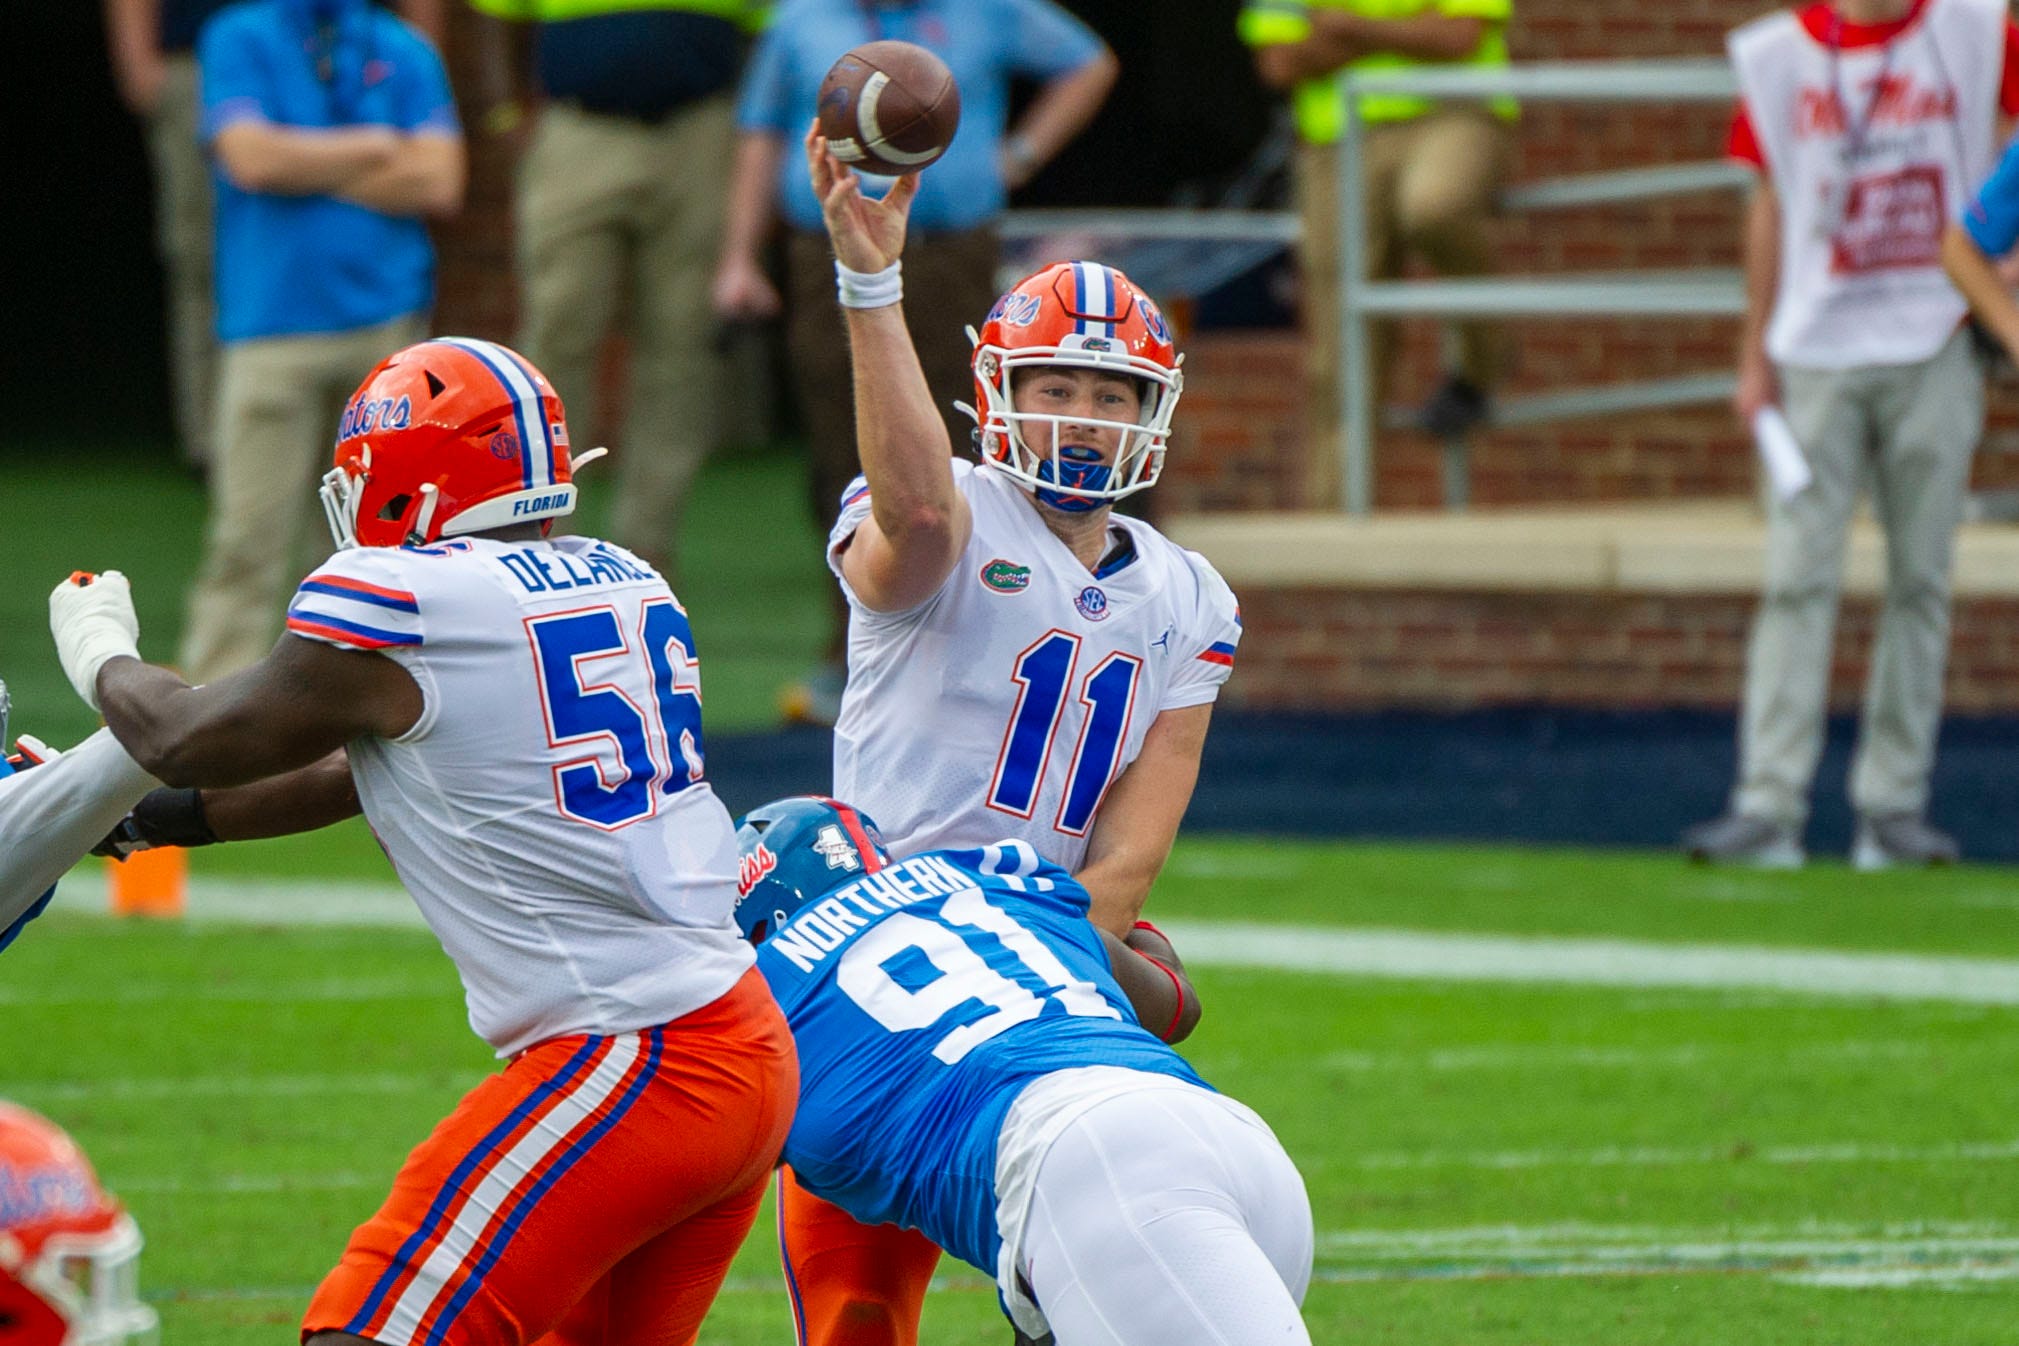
[(231, 76), (1047, 41), (1992, 217), (762, 100), (423, 103)]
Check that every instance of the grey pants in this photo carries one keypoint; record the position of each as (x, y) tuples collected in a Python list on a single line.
[(1907, 431)]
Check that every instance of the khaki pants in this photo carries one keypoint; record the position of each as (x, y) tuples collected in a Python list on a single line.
[(1431, 184), (613, 215), (182, 212), (279, 399), (1908, 431)]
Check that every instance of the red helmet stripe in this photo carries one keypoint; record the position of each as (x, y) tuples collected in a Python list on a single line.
[(851, 823)]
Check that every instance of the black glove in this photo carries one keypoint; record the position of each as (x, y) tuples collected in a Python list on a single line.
[(163, 817)]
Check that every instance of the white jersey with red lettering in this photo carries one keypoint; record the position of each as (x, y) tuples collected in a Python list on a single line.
[(1873, 151), (548, 810), (1008, 702)]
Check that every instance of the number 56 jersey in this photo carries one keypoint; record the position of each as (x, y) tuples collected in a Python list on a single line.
[(548, 810), (1007, 703)]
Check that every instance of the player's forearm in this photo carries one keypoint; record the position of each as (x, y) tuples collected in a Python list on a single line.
[(1063, 107), (1981, 285), (1147, 969), (753, 185), (193, 736), (290, 161), (1119, 884), (425, 178), (1762, 268), (314, 797), (901, 439)]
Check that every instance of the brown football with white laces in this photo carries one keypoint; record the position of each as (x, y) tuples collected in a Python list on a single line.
[(889, 107)]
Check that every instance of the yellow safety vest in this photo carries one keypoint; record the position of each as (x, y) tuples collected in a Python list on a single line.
[(1320, 104), (750, 14)]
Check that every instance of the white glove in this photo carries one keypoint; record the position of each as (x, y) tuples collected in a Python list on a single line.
[(92, 618)]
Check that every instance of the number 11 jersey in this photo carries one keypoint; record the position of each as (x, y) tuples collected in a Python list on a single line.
[(1007, 703)]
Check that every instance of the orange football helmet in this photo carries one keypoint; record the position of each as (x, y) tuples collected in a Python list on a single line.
[(449, 436), (69, 1253), (1087, 316)]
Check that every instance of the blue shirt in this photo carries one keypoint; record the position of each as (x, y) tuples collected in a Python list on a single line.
[(983, 42), (290, 265), (923, 998), (1992, 217)]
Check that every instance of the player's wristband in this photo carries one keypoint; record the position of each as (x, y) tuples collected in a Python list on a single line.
[(869, 289), (1177, 984), (1145, 925)]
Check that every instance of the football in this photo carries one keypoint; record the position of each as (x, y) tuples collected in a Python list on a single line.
[(889, 107)]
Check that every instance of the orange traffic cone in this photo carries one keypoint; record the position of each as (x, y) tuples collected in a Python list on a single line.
[(150, 883)]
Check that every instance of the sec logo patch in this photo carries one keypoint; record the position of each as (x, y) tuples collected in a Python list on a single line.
[(1092, 603), (1006, 577)]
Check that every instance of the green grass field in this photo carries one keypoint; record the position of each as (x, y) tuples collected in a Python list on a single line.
[(1488, 1162), (1555, 1163)]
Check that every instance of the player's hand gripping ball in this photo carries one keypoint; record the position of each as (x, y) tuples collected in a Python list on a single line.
[(889, 107)]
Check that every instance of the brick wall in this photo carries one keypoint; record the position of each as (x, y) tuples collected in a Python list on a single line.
[(1355, 649)]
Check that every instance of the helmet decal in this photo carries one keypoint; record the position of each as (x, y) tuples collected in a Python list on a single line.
[(519, 381)]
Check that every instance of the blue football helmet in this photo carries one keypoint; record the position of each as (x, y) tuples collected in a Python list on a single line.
[(793, 852)]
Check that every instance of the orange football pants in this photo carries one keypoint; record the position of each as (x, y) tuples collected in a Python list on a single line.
[(596, 1189), (851, 1284)]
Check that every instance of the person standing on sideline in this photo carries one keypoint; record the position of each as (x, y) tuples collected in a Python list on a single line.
[(1869, 122), (1432, 174), (952, 257), (334, 136), (620, 211), (152, 44)]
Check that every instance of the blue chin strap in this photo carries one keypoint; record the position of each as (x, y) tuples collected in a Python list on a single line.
[(1077, 467)]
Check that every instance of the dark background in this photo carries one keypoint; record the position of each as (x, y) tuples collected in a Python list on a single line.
[(83, 352)]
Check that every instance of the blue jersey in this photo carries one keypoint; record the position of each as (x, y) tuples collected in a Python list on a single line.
[(923, 998)]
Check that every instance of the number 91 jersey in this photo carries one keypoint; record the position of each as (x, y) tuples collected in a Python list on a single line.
[(548, 810), (923, 998), (1008, 702)]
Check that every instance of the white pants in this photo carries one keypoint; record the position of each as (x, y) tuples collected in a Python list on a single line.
[(52, 815), (1163, 1214)]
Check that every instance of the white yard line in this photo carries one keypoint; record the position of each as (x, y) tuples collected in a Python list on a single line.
[(1434, 955)]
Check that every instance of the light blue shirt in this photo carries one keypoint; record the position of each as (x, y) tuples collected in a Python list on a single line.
[(292, 265), (985, 43)]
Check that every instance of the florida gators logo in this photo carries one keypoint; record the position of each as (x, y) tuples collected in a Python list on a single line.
[(1006, 577), (1017, 310)]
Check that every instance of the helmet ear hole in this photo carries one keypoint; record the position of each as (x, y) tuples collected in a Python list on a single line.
[(435, 385), (395, 508)]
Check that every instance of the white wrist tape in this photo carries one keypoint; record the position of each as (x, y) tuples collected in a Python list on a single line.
[(93, 623), (869, 289)]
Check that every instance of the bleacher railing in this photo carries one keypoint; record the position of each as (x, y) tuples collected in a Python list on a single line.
[(1695, 292)]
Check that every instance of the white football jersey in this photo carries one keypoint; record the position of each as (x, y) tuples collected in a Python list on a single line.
[(548, 811), (1007, 703)]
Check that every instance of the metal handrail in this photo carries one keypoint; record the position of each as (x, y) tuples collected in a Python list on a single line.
[(1698, 292)]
